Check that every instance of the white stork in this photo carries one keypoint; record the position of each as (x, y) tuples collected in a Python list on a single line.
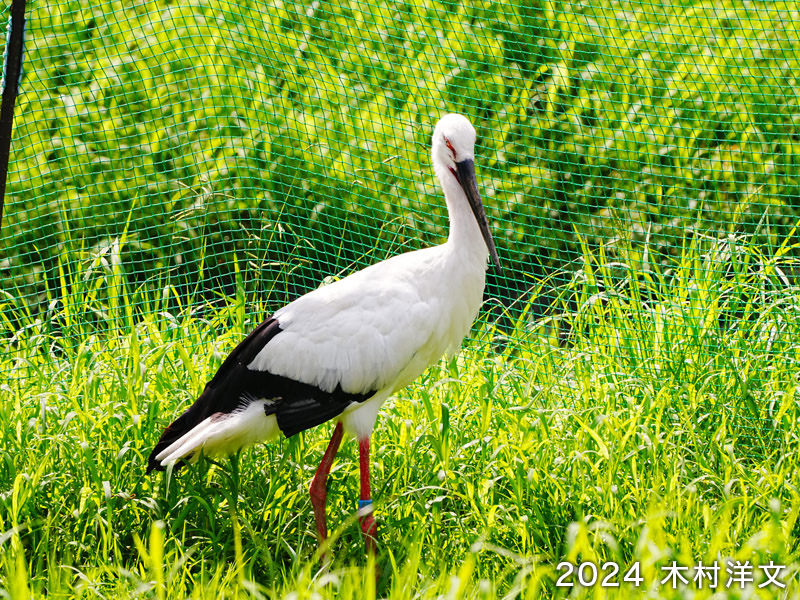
[(341, 350)]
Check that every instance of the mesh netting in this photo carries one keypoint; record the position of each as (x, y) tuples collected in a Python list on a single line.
[(209, 146)]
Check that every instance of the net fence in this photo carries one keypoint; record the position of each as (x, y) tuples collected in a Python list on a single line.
[(210, 146)]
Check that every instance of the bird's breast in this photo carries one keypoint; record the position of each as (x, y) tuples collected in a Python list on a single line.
[(455, 298), (464, 303)]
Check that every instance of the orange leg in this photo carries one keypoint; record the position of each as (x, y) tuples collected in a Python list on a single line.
[(366, 520), (319, 485)]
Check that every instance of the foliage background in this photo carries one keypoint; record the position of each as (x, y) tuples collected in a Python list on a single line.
[(181, 168), (293, 138)]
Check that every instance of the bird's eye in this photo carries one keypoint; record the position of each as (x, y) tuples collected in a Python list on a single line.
[(450, 146)]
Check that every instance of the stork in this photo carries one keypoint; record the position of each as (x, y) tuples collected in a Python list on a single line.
[(341, 350)]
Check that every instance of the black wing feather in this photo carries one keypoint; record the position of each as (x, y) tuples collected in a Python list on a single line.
[(297, 406)]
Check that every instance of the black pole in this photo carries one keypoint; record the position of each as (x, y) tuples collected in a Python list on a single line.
[(13, 69)]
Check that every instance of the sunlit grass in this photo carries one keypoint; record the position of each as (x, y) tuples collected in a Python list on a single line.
[(648, 416), (182, 168)]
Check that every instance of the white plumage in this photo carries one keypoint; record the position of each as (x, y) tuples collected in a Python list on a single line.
[(378, 329), (222, 434), (343, 349)]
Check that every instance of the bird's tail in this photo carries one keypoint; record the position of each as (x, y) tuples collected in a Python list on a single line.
[(218, 435), (176, 431)]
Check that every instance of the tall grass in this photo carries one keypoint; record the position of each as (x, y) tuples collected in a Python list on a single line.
[(648, 415), (636, 402)]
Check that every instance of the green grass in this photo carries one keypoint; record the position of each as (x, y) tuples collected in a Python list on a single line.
[(181, 169), (649, 416)]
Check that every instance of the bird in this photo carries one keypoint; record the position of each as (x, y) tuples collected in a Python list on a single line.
[(340, 351)]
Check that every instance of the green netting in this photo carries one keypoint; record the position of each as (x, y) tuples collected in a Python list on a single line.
[(193, 149)]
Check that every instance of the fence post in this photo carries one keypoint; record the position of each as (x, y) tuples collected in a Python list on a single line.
[(12, 70)]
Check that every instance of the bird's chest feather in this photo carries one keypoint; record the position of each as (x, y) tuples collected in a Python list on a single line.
[(455, 301)]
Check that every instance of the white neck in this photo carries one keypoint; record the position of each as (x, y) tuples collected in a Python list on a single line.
[(465, 235)]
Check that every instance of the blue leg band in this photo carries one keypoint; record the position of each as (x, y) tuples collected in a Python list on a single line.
[(364, 507)]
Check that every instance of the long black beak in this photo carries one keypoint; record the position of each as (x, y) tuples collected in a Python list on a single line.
[(465, 173)]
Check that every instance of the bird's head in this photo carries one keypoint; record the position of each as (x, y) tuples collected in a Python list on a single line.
[(453, 141), (453, 154)]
